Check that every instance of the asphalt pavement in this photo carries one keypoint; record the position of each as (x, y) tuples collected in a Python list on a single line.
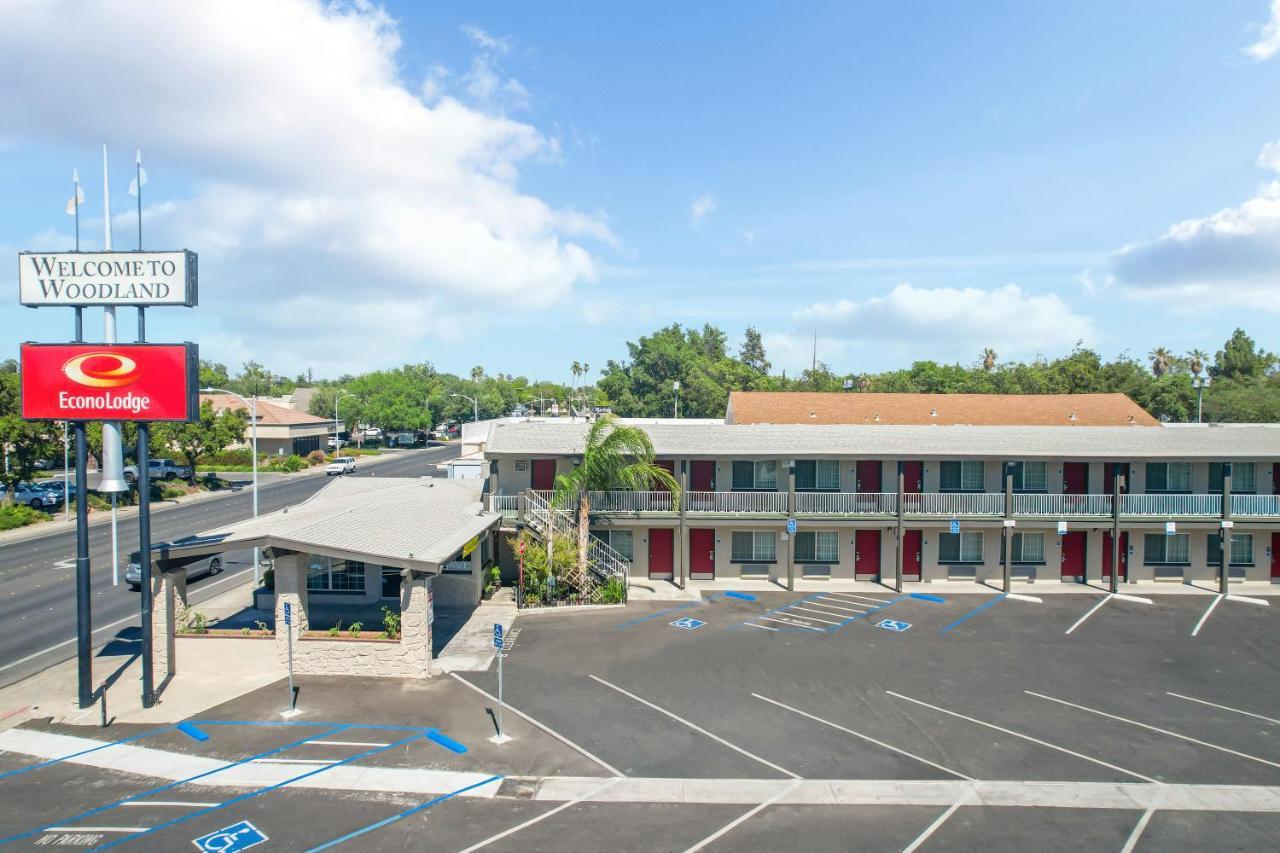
[(37, 576)]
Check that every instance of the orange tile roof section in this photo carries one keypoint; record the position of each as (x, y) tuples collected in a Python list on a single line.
[(819, 407), (268, 413)]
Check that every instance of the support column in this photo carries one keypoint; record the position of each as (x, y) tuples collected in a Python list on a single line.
[(291, 588), (144, 559), (897, 560), (791, 537), (1224, 538), (682, 547), (84, 630), (1117, 483), (1008, 526), (416, 615), (166, 597)]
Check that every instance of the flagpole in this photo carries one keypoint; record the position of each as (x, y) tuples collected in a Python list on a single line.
[(135, 190)]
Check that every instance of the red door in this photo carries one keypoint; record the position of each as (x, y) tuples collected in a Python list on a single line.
[(870, 476), (702, 554), (661, 553), (913, 477), (911, 556), (1074, 546), (544, 475), (1075, 478), (702, 476), (1106, 555), (866, 552), (1275, 556)]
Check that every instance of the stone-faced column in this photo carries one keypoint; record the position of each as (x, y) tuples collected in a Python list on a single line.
[(168, 598), (416, 613), (291, 588)]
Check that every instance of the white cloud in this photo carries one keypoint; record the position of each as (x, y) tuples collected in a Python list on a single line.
[(1230, 256), (950, 322), (316, 171), (1268, 43), (700, 208)]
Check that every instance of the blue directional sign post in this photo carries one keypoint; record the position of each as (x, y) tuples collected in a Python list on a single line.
[(288, 627), (501, 736), (791, 527), (955, 526), (231, 839)]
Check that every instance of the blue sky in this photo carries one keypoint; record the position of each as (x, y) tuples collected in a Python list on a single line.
[(523, 185)]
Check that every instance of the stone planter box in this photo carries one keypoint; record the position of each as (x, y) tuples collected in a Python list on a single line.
[(224, 633), (264, 599), (344, 637)]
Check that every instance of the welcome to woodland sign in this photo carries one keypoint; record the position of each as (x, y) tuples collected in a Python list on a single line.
[(107, 278)]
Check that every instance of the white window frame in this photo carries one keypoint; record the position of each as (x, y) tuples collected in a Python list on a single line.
[(1020, 470), (607, 534), (1184, 471), (1181, 543), (967, 551), (1241, 483), (764, 546), (320, 566), (973, 475), (825, 546), (826, 475)]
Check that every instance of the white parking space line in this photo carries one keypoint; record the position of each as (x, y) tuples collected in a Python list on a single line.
[(1140, 725), (1017, 596), (1031, 739), (1217, 599), (933, 827), (867, 738), (1248, 599), (1223, 707), (762, 627), (792, 624), (1092, 610), (531, 721), (343, 743), (695, 727), (528, 823), (1141, 825), (814, 618), (171, 803), (1137, 599), (738, 821), (848, 595), (292, 761), (822, 603)]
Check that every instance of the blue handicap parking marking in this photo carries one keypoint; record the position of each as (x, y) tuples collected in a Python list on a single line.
[(743, 596), (688, 623), (192, 731), (230, 839), (893, 625)]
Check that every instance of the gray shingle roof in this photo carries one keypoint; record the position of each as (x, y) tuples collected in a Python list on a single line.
[(411, 523), (909, 442)]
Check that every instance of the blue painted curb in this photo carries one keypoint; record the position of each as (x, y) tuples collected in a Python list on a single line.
[(446, 741), (924, 596), (192, 732), (745, 596)]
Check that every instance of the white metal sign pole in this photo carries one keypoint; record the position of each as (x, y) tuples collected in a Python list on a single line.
[(111, 445), (498, 643)]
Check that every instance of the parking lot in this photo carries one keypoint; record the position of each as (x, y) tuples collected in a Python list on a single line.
[(821, 721)]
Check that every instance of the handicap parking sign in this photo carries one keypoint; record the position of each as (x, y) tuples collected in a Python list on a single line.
[(497, 635), (955, 526), (230, 839), (893, 625), (688, 623)]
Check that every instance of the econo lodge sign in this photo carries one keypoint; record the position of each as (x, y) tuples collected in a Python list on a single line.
[(116, 382)]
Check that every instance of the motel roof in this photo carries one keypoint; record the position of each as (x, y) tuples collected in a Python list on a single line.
[(269, 414), (819, 407), (907, 442), (417, 523)]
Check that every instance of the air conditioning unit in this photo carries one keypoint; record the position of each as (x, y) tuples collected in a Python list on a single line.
[(522, 464)]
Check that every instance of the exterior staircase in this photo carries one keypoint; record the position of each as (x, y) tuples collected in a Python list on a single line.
[(604, 564)]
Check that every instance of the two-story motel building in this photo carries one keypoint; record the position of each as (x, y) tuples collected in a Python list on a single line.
[(943, 494)]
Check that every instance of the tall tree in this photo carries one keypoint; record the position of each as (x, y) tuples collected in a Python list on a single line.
[(1240, 358), (988, 359), (752, 354), (1161, 361), (211, 433), (615, 456), (1195, 361), (24, 442)]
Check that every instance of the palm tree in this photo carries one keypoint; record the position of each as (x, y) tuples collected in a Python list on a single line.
[(1196, 359), (615, 456), (988, 359), (1161, 361)]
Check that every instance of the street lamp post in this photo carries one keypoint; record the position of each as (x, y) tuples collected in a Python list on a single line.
[(675, 389), (252, 405), (475, 406), (1200, 383)]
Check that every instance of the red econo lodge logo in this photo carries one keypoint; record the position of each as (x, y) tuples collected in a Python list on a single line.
[(101, 370), (88, 382)]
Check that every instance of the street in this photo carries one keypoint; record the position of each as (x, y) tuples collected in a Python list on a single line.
[(37, 576)]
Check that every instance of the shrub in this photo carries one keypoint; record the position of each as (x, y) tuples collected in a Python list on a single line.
[(269, 579), (239, 456), (390, 624), (614, 591), (20, 515), (288, 464), (316, 457), (537, 572), (354, 629), (335, 628)]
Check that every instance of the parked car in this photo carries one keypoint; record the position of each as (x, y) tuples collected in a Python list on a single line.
[(206, 567), (341, 465), (56, 486), (35, 497), (335, 443), (161, 469)]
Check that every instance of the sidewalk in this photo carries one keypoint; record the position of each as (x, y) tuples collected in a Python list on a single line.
[(99, 517), (470, 648), (644, 589)]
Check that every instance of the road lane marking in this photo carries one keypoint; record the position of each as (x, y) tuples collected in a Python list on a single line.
[(1224, 707), (1031, 739), (867, 738), (531, 721), (743, 818), (528, 823), (1217, 599), (695, 727), (1092, 610), (933, 827), (1186, 738)]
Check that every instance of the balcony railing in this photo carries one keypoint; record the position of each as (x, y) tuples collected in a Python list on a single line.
[(1164, 506), (846, 503), (508, 505), (1255, 505), (622, 501), (943, 503), (1062, 505), (736, 502)]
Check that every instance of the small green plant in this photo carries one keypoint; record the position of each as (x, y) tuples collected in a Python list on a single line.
[(614, 591), (262, 626), (354, 630), (495, 577), (195, 623), (245, 630), (335, 628), (390, 624)]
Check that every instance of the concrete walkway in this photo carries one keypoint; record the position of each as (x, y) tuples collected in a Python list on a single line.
[(471, 647)]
